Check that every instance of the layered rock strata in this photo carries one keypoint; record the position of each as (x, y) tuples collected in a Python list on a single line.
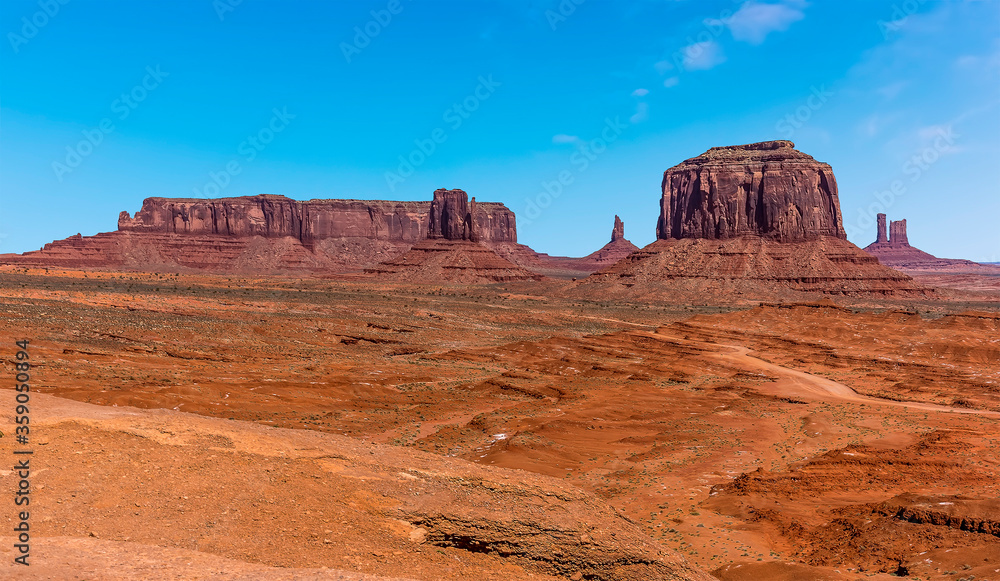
[(265, 233), (453, 217), (761, 219), (752, 266), (453, 251), (766, 189), (272, 216)]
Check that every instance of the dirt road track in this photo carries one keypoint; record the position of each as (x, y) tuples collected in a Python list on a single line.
[(800, 384)]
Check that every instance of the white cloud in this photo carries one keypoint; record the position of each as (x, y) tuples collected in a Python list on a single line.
[(563, 138), (641, 113), (671, 82), (640, 92), (940, 137), (663, 66), (755, 20), (702, 56), (891, 90)]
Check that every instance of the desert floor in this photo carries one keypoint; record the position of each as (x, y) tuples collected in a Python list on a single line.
[(193, 426)]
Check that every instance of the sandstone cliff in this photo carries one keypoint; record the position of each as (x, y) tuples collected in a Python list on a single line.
[(618, 232), (273, 216), (263, 234), (758, 220), (768, 189), (453, 216), (453, 251)]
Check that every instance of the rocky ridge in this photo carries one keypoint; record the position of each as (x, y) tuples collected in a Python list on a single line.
[(260, 234)]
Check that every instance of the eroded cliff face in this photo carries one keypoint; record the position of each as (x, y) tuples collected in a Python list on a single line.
[(272, 216), (767, 189), (264, 234), (618, 232), (453, 216)]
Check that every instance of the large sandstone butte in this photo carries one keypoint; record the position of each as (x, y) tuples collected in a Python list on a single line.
[(453, 251), (261, 234), (895, 251), (755, 220), (767, 189)]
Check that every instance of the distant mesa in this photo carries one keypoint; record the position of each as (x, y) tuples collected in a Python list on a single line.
[(757, 219), (273, 234), (894, 250), (262, 234)]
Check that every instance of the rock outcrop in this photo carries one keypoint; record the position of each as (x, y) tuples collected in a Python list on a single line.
[(758, 220), (453, 251), (618, 232), (266, 233), (880, 237), (613, 251), (751, 267), (897, 233), (895, 251), (766, 189), (453, 216), (565, 266)]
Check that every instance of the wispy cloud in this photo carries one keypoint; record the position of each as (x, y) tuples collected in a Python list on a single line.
[(640, 92), (755, 20), (702, 56), (875, 124), (671, 82), (663, 66), (563, 138), (891, 90), (641, 113)]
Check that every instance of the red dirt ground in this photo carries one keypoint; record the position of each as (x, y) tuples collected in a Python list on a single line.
[(814, 441)]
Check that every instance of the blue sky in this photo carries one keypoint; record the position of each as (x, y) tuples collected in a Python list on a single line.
[(105, 103)]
